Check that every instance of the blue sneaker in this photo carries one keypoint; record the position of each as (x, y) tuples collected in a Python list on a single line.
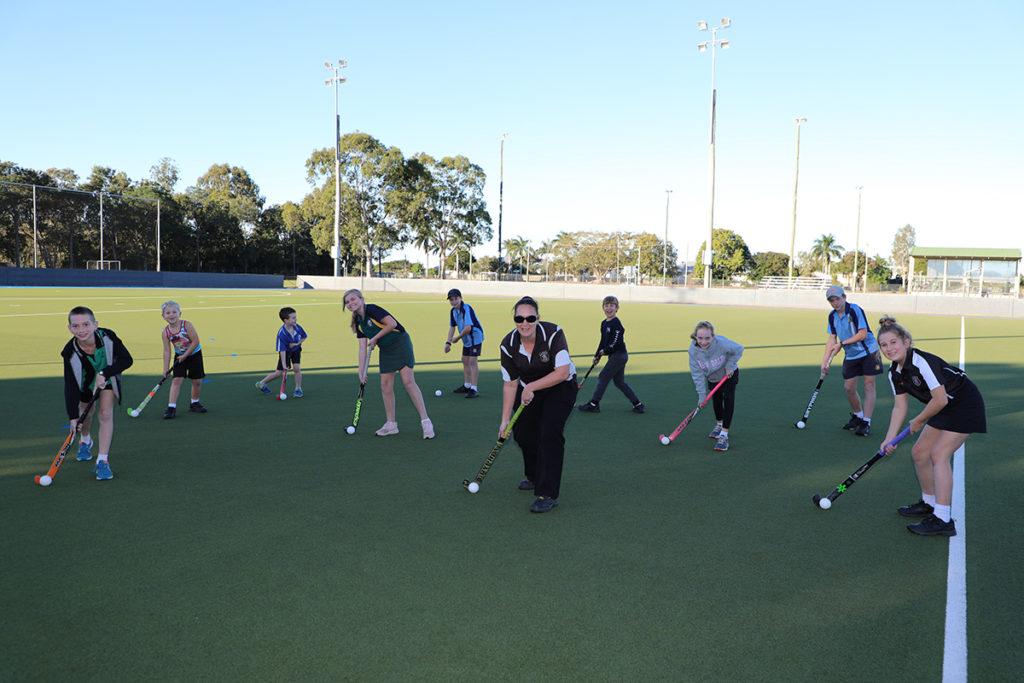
[(102, 470), (83, 452), (298, 392), (262, 387)]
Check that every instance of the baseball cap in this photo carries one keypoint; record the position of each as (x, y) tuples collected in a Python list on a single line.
[(834, 290), (454, 292)]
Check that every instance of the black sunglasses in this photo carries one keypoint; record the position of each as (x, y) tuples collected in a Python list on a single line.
[(527, 319)]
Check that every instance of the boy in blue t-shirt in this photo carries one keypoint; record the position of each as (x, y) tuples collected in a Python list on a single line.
[(289, 351), (464, 325), (848, 330)]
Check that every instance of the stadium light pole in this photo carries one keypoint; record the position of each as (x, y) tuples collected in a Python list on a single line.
[(856, 244), (664, 259), (702, 47), (796, 183), (335, 80), (501, 196)]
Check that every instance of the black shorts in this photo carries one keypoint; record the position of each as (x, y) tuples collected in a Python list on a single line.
[(965, 414), (473, 351), (868, 366), (84, 396), (293, 357), (191, 367)]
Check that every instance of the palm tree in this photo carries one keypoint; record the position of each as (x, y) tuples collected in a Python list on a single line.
[(825, 249), (517, 248), (547, 249)]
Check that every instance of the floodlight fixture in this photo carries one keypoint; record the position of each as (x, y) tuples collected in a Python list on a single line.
[(703, 47)]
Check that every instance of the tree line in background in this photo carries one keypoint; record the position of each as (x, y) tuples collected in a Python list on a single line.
[(387, 202), (221, 223)]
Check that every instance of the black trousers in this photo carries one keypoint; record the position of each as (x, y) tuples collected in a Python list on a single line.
[(539, 431), (614, 371)]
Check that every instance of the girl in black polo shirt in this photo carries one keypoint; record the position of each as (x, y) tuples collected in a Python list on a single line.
[(538, 373), (954, 409)]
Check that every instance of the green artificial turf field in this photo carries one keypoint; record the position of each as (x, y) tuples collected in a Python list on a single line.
[(260, 542)]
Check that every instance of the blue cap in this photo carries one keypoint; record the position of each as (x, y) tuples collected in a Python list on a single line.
[(834, 290)]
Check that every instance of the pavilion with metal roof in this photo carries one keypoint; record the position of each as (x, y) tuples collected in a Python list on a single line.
[(966, 271)]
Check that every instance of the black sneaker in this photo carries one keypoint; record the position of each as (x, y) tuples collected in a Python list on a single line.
[(639, 408), (196, 407), (169, 413), (918, 509), (472, 393), (589, 407), (932, 526), (461, 389), (526, 485), (543, 504), (853, 423), (864, 429)]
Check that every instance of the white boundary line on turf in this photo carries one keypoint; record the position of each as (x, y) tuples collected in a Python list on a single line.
[(954, 658)]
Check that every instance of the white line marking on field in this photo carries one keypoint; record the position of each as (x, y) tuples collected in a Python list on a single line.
[(954, 658)]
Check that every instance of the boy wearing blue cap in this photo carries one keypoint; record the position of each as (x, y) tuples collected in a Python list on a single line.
[(848, 330)]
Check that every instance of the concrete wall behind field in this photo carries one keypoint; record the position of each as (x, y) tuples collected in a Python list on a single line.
[(767, 298), (59, 277)]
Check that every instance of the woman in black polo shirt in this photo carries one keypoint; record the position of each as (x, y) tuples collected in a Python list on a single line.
[(538, 373), (954, 409)]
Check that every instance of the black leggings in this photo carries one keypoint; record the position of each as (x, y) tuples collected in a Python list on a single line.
[(724, 400)]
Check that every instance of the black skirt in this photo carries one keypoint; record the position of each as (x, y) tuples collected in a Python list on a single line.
[(965, 414)]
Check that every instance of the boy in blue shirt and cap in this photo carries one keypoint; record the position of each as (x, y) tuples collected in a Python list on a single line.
[(848, 329)]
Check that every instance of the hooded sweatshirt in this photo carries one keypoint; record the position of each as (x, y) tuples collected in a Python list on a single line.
[(710, 365)]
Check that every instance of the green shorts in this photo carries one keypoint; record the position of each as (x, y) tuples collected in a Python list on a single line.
[(397, 355)]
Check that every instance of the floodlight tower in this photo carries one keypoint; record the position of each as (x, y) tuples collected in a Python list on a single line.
[(856, 245), (664, 258), (702, 47), (796, 182), (335, 80), (501, 196)]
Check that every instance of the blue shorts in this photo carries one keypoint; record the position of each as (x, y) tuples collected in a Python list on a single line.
[(473, 351), (868, 365)]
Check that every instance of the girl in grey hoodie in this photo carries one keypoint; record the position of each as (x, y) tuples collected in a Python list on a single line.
[(712, 358)]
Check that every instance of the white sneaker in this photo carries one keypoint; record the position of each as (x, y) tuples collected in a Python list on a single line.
[(388, 429), (428, 428)]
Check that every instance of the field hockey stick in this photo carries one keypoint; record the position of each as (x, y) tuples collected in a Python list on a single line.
[(814, 397), (494, 451), (597, 359), (666, 440), (359, 398), (284, 378), (66, 446), (138, 409), (852, 479)]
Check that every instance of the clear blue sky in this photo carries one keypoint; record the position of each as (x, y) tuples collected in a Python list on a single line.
[(606, 105)]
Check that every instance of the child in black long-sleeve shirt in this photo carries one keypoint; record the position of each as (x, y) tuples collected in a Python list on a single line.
[(613, 345), (94, 359)]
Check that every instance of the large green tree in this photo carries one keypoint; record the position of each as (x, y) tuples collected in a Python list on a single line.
[(730, 256), (769, 263), (445, 205), (223, 208), (374, 183)]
